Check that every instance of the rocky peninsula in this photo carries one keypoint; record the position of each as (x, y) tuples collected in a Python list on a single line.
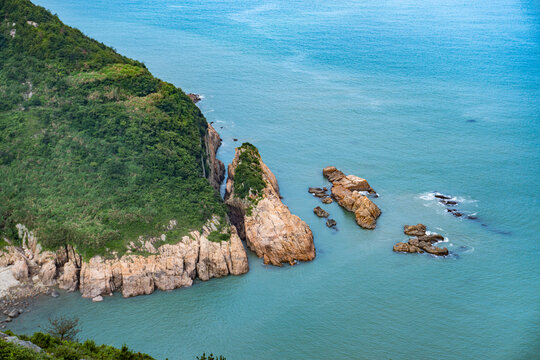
[(256, 209)]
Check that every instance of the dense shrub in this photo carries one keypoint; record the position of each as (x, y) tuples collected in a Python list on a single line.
[(94, 151)]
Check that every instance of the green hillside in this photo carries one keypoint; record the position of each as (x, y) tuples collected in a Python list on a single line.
[(94, 150)]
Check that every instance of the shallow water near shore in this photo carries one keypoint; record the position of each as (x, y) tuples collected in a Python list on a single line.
[(417, 98)]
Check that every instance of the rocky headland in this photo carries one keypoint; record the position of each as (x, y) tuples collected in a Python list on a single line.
[(350, 192), (263, 221), (147, 264)]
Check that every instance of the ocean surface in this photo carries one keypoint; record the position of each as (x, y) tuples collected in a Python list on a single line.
[(416, 96)]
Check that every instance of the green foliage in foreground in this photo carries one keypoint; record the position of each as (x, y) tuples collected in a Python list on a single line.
[(94, 150), (248, 177), (56, 349)]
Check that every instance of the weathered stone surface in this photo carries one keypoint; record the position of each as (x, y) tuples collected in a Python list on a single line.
[(327, 200), (98, 299), (96, 278), (172, 267), (20, 270), (69, 280), (349, 182), (269, 228), (415, 230), (349, 193), (331, 223), (217, 168), (47, 274), (422, 242), (320, 212), (405, 247)]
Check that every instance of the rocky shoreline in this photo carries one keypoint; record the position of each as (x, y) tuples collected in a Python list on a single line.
[(265, 224)]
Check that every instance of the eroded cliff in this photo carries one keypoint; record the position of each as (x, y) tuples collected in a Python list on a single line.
[(266, 224)]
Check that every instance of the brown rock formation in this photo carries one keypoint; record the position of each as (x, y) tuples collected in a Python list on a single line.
[(347, 192), (217, 168), (69, 280), (20, 270), (194, 97), (423, 242), (320, 212), (266, 224), (415, 230)]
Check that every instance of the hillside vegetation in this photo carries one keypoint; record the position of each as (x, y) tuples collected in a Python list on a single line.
[(94, 150)]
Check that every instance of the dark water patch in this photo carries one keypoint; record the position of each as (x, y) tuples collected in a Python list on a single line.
[(471, 120)]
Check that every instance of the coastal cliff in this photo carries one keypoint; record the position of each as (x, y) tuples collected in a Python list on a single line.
[(217, 168), (164, 267), (262, 220)]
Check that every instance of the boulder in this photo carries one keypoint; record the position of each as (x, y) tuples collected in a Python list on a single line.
[(20, 270), (421, 243), (327, 200), (98, 298), (47, 274), (415, 230), (320, 212), (331, 223), (349, 191), (69, 280), (263, 221)]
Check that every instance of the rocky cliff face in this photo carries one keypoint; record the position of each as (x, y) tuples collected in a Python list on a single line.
[(349, 191), (170, 266), (217, 168), (266, 224)]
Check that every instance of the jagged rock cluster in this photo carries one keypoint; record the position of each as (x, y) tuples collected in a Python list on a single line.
[(421, 242), (266, 224), (349, 192)]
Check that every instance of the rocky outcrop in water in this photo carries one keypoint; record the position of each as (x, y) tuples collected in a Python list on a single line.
[(194, 97), (422, 242), (349, 191), (320, 212), (262, 220), (216, 166)]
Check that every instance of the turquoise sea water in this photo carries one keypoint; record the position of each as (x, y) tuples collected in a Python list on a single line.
[(414, 96)]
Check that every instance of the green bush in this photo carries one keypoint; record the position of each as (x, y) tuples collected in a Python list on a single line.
[(248, 177)]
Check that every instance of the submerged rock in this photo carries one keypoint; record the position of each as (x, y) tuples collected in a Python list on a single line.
[(266, 224), (349, 193)]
